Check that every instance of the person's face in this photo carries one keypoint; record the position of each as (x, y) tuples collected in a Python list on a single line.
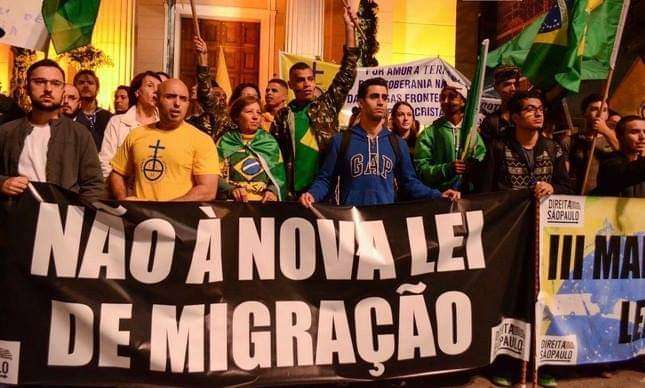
[(403, 118), (506, 89), (121, 100), (374, 105), (173, 102), (249, 120), (220, 94), (45, 88), (87, 87), (531, 117), (451, 101), (302, 83), (275, 94), (249, 92), (71, 101), (596, 110), (147, 93), (612, 121), (634, 137)]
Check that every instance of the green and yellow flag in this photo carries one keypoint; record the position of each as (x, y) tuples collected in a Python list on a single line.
[(70, 22), (572, 42)]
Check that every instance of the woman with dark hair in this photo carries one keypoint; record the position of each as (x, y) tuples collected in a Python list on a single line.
[(404, 123), (252, 168), (244, 89), (122, 99)]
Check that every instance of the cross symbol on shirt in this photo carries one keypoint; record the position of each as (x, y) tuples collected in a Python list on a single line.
[(157, 147)]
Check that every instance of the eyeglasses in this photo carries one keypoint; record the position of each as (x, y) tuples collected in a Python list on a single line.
[(534, 109), (43, 82)]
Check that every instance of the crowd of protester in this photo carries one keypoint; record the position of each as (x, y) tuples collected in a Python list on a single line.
[(166, 143)]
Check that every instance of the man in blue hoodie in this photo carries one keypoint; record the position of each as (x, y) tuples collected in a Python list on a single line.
[(368, 159)]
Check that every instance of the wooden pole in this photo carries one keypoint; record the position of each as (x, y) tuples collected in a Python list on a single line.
[(195, 21), (605, 92), (536, 291)]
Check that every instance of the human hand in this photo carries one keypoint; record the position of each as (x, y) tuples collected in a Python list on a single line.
[(542, 189), (14, 185), (269, 196), (306, 199), (459, 167), (239, 194), (451, 194)]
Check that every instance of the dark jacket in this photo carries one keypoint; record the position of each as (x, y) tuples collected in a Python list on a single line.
[(506, 166), (97, 128), (494, 126), (368, 171), (72, 160), (323, 115), (9, 109), (619, 177)]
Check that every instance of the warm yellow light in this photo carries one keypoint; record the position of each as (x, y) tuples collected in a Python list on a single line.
[(5, 69)]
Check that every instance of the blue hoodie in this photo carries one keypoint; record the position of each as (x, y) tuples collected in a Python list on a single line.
[(365, 180)]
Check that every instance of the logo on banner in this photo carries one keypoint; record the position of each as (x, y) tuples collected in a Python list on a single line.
[(563, 211), (558, 349), (9, 361), (511, 337)]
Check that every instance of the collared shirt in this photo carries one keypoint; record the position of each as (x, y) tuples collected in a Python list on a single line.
[(116, 131)]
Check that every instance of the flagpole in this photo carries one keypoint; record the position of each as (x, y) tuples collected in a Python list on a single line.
[(605, 91), (195, 22)]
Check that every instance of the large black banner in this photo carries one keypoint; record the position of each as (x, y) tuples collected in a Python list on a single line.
[(223, 293)]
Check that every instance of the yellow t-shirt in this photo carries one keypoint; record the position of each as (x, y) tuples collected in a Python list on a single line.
[(163, 162)]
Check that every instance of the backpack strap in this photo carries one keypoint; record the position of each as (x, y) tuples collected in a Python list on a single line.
[(344, 144), (394, 142)]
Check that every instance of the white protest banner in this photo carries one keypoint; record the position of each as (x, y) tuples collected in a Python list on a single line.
[(418, 83), (23, 24)]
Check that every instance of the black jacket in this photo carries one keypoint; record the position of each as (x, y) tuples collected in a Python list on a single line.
[(619, 177), (98, 127)]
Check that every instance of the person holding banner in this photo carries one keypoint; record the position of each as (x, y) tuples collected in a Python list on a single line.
[(170, 160), (368, 158), (437, 158), (525, 159), (46, 146), (623, 172), (252, 168), (305, 128)]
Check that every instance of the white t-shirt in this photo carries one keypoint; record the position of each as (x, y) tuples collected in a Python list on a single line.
[(33, 158)]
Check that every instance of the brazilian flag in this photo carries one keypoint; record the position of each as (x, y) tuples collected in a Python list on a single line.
[(70, 22), (265, 148), (570, 43)]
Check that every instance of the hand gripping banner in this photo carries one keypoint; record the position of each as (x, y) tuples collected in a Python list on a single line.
[(224, 293)]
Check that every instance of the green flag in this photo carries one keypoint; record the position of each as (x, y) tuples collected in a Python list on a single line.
[(468, 132), (265, 148), (70, 22), (574, 42)]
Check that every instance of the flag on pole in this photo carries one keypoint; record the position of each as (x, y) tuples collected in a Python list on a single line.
[(221, 77), (570, 43), (468, 133), (70, 22)]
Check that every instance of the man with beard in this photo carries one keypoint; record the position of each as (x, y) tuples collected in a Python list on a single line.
[(437, 156), (368, 158), (525, 159), (45, 146), (91, 115), (71, 101)]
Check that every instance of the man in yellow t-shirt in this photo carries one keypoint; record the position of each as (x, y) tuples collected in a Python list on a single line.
[(170, 160)]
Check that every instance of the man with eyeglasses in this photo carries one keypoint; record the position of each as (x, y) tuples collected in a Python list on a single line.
[(46, 146), (368, 158), (438, 157), (525, 159)]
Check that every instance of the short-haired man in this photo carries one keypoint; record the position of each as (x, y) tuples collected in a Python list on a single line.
[(306, 126), (45, 146), (595, 113), (368, 158), (143, 89), (623, 172), (437, 155), (275, 98), (71, 101), (170, 160), (525, 159), (498, 124), (91, 115)]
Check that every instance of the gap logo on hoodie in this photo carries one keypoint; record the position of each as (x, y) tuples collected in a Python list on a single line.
[(375, 166)]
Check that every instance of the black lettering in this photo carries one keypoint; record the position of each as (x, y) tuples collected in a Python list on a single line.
[(565, 265), (578, 258), (553, 256), (607, 257), (630, 259)]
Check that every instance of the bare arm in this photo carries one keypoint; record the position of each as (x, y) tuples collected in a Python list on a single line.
[(117, 185), (205, 189), (351, 22)]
